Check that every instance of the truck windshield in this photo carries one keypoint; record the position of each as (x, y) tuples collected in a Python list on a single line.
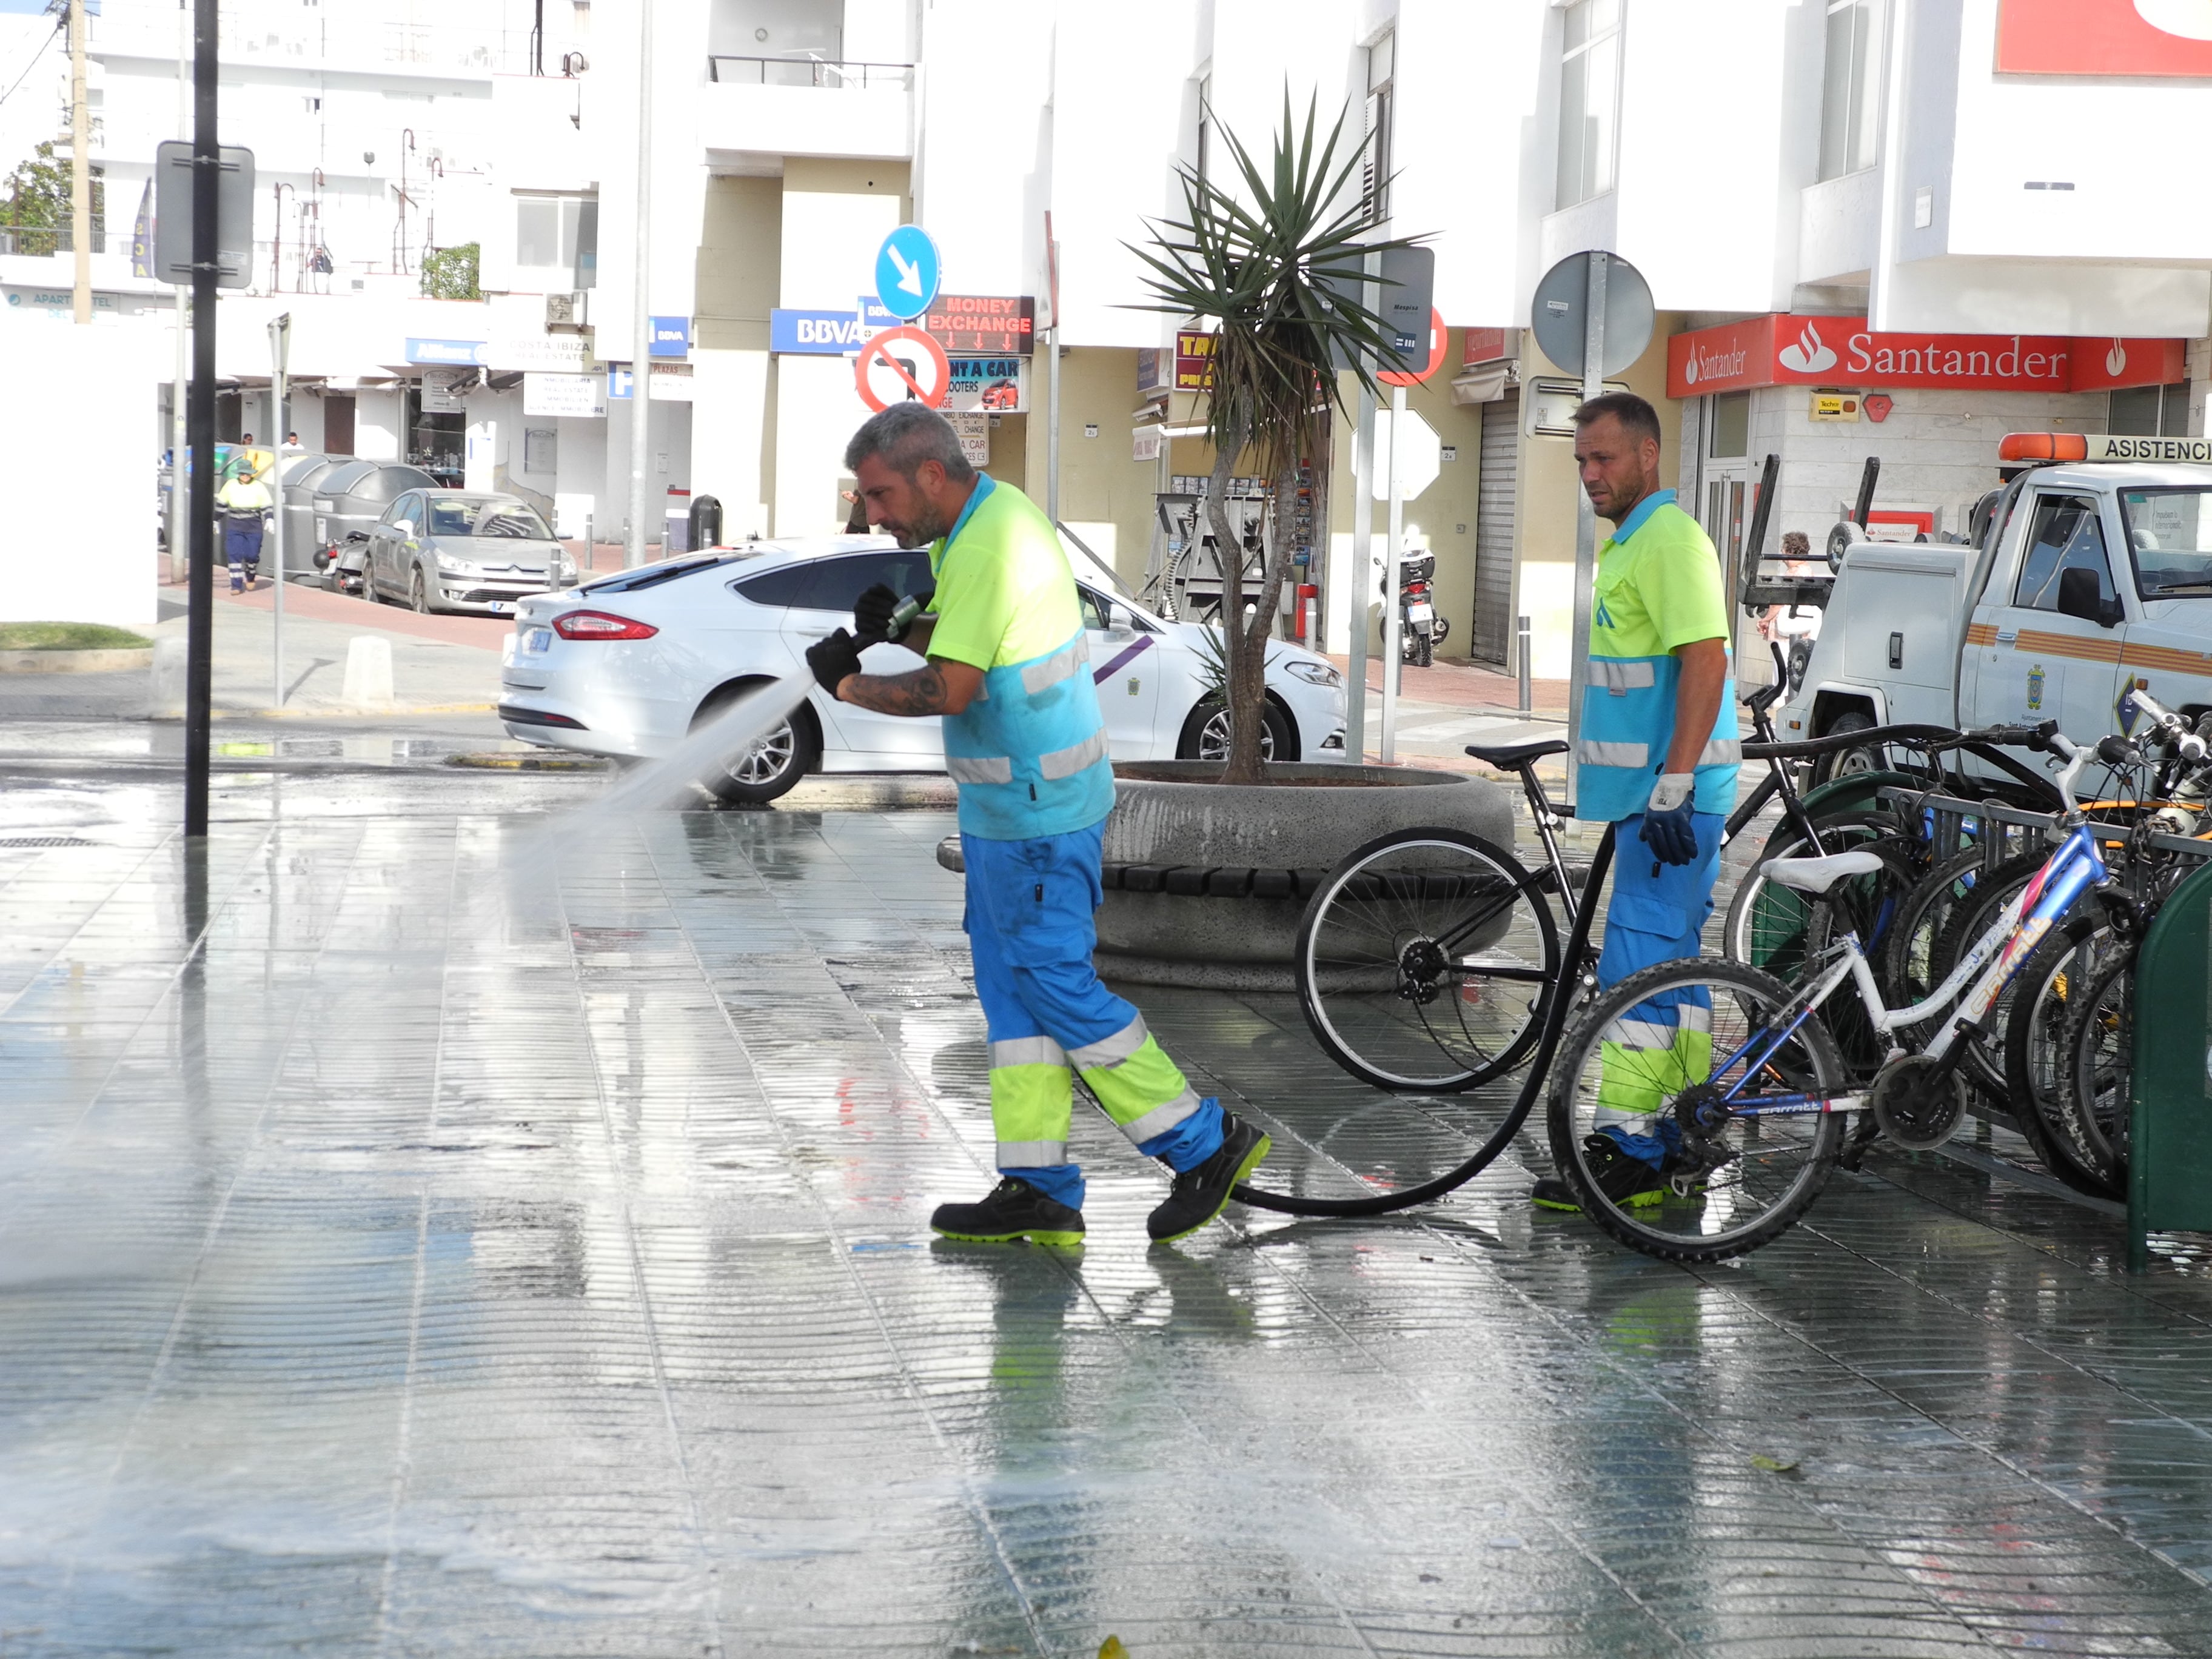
[(2170, 531)]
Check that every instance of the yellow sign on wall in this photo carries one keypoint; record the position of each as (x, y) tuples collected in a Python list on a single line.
[(1835, 405)]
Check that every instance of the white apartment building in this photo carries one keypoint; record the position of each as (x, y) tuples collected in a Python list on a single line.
[(1928, 222)]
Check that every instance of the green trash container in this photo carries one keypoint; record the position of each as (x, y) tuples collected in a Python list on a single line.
[(2170, 1155)]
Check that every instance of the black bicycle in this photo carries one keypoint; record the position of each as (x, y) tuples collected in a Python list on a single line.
[(1434, 964)]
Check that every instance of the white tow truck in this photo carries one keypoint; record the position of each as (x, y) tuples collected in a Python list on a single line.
[(2088, 571)]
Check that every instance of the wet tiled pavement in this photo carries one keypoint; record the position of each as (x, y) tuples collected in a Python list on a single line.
[(432, 1230)]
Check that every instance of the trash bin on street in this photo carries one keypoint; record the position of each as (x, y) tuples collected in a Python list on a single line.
[(2170, 1145)]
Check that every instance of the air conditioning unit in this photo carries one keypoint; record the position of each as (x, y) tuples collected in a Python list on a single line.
[(569, 312)]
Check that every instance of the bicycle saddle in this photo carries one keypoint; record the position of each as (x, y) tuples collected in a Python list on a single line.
[(1819, 875), (1507, 755)]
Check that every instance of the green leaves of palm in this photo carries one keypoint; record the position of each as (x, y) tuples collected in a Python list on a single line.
[(1277, 270)]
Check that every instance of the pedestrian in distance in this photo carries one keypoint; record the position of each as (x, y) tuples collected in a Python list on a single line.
[(245, 501), (1008, 673), (1658, 759)]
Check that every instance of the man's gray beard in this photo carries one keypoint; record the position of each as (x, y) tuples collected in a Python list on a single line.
[(924, 532)]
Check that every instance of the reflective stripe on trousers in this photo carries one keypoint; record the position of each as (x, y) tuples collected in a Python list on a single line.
[(1142, 1090)]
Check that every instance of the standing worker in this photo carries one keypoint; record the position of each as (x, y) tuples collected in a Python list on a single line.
[(1009, 673), (1658, 759), (243, 501)]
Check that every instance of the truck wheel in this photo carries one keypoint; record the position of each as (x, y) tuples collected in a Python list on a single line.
[(1848, 763), (1801, 659)]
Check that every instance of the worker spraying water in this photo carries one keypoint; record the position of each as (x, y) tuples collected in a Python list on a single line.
[(1008, 673)]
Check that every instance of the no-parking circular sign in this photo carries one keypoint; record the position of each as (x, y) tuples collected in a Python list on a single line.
[(1415, 376), (901, 365)]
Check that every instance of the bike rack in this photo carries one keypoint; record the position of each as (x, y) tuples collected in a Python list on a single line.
[(2016, 830)]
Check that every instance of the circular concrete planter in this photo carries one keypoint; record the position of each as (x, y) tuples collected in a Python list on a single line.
[(1304, 818)]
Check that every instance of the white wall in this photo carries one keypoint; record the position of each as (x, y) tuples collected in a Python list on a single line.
[(80, 547), (731, 392)]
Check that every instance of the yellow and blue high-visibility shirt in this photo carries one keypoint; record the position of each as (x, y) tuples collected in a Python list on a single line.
[(1658, 587), (1029, 752)]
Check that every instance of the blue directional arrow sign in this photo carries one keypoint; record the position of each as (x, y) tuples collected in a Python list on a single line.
[(907, 272)]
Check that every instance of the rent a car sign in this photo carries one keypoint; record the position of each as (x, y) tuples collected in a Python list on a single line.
[(1788, 350)]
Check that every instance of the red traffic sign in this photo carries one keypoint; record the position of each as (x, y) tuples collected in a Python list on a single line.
[(886, 374), (1410, 377)]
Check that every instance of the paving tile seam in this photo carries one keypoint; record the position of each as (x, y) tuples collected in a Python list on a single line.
[(172, 1335), (1451, 1239), (2143, 1291), (193, 948), (2108, 1522), (929, 954), (979, 1514)]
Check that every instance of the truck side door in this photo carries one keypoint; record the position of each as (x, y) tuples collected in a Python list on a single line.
[(2047, 644)]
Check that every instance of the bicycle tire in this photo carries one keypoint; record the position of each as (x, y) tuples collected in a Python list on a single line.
[(1765, 925), (2035, 1053), (1382, 1203), (2098, 1052), (1807, 1061), (1984, 1062), (1373, 913), (1916, 932)]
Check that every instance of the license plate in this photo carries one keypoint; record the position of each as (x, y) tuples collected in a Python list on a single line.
[(322, 530), (540, 639), (496, 608), (1421, 612)]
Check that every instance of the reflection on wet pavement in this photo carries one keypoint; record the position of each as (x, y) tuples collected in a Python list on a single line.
[(421, 1234)]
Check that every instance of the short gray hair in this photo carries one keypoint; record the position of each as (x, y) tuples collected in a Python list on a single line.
[(907, 435)]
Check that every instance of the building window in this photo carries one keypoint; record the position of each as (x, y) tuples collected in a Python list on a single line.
[(557, 242), (1374, 171), (1851, 87), (1727, 436), (1589, 99), (2150, 411)]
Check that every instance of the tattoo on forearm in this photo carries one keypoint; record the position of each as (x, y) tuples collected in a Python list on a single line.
[(920, 691)]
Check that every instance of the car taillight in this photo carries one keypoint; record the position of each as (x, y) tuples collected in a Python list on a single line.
[(601, 625)]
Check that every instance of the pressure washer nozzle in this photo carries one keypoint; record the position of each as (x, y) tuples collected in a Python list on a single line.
[(903, 619)]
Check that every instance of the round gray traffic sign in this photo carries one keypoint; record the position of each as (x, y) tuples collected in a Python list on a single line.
[(1558, 315)]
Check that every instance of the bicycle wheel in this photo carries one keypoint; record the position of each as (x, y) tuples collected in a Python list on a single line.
[(2097, 1071), (1766, 921), (1971, 918), (1425, 961), (1736, 1181), (1917, 931), (2050, 982)]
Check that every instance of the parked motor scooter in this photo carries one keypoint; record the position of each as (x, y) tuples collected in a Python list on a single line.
[(1420, 629)]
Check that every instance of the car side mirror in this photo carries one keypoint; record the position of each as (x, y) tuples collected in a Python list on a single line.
[(2081, 594), (1119, 619)]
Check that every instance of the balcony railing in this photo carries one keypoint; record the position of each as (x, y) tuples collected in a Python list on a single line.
[(807, 72), (41, 241)]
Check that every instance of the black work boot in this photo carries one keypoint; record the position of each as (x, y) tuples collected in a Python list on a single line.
[(1198, 1194), (1013, 1211), (1623, 1178)]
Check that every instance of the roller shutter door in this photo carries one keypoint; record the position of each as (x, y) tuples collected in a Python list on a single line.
[(1490, 640)]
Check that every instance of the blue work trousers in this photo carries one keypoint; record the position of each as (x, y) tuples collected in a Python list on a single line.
[(1031, 929)]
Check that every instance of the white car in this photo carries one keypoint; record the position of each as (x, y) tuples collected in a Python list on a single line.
[(628, 665)]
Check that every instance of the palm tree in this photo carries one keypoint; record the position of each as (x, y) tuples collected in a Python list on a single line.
[(1276, 268)]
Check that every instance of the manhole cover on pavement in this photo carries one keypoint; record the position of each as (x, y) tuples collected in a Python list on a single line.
[(45, 840), (496, 762)]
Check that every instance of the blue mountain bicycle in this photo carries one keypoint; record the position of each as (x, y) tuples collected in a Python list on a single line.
[(1726, 1082)]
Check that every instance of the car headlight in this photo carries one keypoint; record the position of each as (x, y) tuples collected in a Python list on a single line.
[(454, 567), (1313, 673)]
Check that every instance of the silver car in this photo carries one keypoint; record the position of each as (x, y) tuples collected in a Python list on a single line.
[(463, 550)]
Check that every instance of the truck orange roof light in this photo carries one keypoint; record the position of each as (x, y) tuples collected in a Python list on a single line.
[(2043, 447)]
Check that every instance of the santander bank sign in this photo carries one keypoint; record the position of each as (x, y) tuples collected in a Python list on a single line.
[(1784, 349)]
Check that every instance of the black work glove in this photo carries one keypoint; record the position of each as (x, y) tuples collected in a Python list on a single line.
[(872, 614), (832, 657)]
